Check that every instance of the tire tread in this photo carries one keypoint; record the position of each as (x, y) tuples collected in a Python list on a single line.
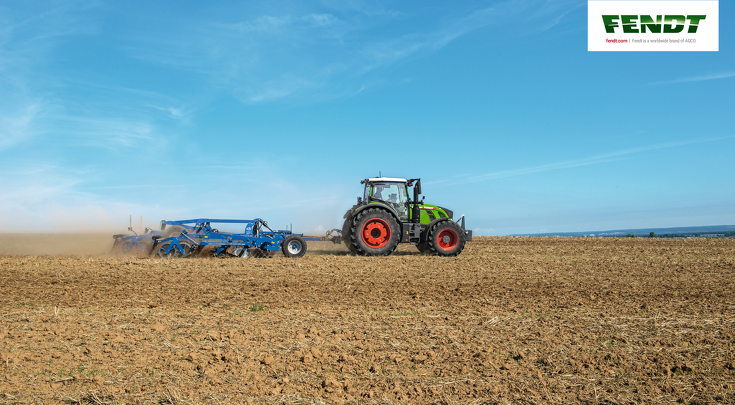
[(431, 241)]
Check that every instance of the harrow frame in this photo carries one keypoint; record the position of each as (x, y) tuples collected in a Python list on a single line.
[(199, 233)]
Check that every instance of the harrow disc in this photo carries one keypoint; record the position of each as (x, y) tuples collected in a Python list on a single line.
[(169, 251), (241, 251)]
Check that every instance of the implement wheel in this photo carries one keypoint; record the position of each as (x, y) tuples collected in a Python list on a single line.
[(374, 232), (293, 246), (446, 238)]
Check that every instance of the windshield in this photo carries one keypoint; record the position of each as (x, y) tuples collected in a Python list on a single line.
[(394, 194)]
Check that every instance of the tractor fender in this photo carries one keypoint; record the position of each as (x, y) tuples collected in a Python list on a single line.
[(349, 212), (374, 205), (425, 230)]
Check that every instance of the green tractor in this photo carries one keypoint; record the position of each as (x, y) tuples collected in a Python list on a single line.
[(385, 216)]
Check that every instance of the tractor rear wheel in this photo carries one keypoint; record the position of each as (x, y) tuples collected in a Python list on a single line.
[(346, 236), (293, 246), (374, 232), (446, 238)]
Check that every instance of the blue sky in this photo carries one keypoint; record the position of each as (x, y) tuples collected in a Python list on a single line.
[(277, 109)]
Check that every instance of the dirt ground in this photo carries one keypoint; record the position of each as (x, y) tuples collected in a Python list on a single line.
[(510, 320)]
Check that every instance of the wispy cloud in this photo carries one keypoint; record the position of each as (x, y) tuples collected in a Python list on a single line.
[(339, 51), (701, 78), (551, 13), (268, 24), (108, 133), (593, 160), (36, 105), (47, 198), (17, 125), (181, 113)]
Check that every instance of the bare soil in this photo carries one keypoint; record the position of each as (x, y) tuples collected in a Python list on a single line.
[(510, 320)]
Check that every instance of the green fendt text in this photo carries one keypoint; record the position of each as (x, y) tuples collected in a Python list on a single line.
[(668, 24)]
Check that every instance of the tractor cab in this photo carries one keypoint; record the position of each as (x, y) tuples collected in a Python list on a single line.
[(389, 191)]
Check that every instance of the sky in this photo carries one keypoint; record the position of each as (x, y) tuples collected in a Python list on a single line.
[(277, 109)]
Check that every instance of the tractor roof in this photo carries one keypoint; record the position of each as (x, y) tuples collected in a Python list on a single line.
[(388, 179)]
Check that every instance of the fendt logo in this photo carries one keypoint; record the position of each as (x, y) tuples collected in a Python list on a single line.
[(653, 25), (671, 24)]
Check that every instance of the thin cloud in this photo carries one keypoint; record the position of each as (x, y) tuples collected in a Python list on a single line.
[(18, 127), (103, 133), (551, 13), (142, 186), (337, 52), (604, 158), (702, 78), (177, 113)]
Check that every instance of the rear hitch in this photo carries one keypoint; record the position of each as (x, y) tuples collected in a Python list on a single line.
[(467, 234)]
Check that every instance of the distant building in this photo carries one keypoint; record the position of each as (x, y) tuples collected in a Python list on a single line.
[(713, 235)]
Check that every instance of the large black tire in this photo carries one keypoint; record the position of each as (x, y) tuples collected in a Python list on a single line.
[(346, 236), (445, 238), (293, 246), (374, 232)]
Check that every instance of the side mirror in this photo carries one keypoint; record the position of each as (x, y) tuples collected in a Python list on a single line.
[(418, 186), (130, 228)]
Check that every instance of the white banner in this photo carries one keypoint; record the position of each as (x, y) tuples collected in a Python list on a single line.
[(653, 25)]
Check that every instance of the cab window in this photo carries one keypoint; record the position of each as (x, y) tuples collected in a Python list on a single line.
[(393, 193)]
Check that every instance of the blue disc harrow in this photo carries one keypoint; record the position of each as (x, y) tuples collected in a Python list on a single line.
[(188, 237)]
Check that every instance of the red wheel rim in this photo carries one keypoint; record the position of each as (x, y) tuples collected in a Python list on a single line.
[(376, 233), (447, 239)]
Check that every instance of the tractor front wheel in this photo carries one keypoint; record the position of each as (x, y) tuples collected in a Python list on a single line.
[(374, 232), (446, 238)]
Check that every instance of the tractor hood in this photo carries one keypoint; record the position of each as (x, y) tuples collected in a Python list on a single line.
[(437, 211)]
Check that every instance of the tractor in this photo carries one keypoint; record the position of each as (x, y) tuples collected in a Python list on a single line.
[(385, 216)]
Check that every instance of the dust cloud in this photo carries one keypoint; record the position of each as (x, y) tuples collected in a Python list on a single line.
[(56, 244)]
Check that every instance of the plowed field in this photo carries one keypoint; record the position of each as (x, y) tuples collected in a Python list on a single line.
[(510, 320)]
